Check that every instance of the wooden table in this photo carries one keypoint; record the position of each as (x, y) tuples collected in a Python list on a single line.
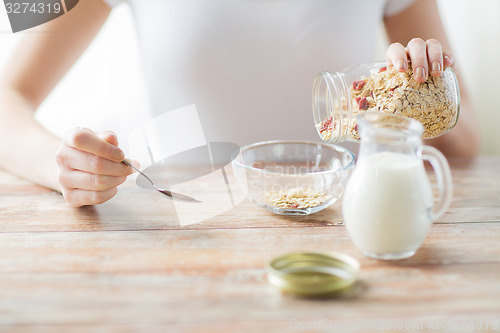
[(127, 266)]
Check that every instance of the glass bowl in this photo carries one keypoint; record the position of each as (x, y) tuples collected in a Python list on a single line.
[(293, 177)]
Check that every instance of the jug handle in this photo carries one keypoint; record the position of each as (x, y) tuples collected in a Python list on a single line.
[(443, 178)]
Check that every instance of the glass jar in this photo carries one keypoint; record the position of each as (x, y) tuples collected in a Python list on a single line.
[(338, 97)]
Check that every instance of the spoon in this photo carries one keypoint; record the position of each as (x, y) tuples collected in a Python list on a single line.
[(170, 194)]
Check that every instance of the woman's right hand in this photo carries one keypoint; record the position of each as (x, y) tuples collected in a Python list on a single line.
[(90, 167)]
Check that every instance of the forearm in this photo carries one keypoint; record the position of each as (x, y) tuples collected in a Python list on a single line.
[(26, 149), (464, 139)]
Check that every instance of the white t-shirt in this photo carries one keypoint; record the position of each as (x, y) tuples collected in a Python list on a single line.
[(248, 65)]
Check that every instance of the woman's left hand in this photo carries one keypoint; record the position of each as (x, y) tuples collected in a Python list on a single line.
[(426, 57)]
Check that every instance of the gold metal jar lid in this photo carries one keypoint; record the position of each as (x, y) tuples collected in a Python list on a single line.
[(313, 274)]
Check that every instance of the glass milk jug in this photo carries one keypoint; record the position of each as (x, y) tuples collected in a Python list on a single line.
[(388, 204)]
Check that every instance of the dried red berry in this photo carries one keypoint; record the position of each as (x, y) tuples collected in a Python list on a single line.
[(358, 85), (326, 125), (363, 104)]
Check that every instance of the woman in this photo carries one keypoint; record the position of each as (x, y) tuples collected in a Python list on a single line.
[(248, 66)]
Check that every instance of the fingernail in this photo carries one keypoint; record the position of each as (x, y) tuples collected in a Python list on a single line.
[(446, 59), (118, 155), (436, 66), (420, 73), (401, 64)]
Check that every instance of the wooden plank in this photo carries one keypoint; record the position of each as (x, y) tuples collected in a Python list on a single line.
[(205, 277), (431, 324), (128, 266), (135, 299), (26, 207), (476, 196), (215, 250)]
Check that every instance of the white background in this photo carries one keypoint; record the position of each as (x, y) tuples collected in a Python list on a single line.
[(107, 85), (104, 87)]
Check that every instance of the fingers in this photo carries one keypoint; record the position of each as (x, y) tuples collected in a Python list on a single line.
[(449, 59), (396, 57), (90, 167), (79, 198), (110, 137), (85, 140), (434, 57), (75, 179), (75, 159), (426, 57), (417, 51)]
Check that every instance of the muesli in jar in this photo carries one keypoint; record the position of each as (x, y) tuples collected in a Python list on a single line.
[(434, 103)]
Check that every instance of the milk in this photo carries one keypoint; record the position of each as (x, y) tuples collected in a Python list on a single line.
[(387, 205)]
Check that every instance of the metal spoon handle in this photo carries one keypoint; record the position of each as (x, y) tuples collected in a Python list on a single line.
[(139, 171), (169, 194)]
